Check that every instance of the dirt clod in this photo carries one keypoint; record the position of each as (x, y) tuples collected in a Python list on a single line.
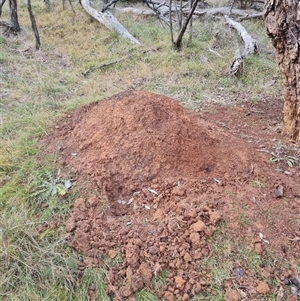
[(262, 287)]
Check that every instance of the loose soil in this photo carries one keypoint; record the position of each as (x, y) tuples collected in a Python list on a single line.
[(162, 178)]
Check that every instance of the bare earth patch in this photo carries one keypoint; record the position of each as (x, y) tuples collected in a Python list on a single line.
[(163, 178)]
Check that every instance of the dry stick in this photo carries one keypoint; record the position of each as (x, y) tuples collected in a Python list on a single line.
[(88, 71), (254, 16), (70, 2), (34, 27), (63, 2)]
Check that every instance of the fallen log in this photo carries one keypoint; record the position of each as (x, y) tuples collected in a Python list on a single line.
[(108, 20), (251, 45), (253, 16), (164, 10)]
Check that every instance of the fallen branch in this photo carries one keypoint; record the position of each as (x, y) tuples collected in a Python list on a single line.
[(251, 45), (108, 20), (214, 52), (237, 63), (163, 9), (253, 16), (88, 71)]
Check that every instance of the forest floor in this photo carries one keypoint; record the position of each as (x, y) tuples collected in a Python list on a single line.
[(167, 187), (191, 193)]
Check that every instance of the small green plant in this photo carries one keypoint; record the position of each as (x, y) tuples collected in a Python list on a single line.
[(257, 183), (280, 155), (47, 185), (144, 295), (160, 279)]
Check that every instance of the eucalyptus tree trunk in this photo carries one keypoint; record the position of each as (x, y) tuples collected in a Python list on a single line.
[(282, 19), (14, 15)]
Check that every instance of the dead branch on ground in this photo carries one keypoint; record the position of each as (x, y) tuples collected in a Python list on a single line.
[(251, 46), (253, 16), (88, 71), (108, 20)]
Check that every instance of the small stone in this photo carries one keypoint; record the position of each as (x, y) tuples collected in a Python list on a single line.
[(190, 213), (292, 297), (112, 253), (178, 191), (262, 288), (153, 250), (198, 226), (214, 217), (187, 257), (195, 238), (70, 225), (258, 248), (145, 272), (231, 295), (168, 296), (93, 201), (158, 214), (125, 291), (179, 282)]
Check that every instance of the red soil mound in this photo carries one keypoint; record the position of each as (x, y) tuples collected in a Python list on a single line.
[(160, 176), (137, 138)]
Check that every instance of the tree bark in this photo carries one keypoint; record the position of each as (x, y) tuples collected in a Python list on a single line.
[(14, 15), (282, 20)]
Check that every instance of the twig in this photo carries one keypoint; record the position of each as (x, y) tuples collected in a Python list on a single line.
[(88, 71), (214, 52), (294, 239), (257, 111), (222, 124), (70, 2)]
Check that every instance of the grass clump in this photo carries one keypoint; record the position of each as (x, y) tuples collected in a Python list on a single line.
[(228, 253)]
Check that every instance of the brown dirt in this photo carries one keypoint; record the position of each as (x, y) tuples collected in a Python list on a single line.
[(163, 177)]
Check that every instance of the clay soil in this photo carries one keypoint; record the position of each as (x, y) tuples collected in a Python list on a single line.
[(161, 179)]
